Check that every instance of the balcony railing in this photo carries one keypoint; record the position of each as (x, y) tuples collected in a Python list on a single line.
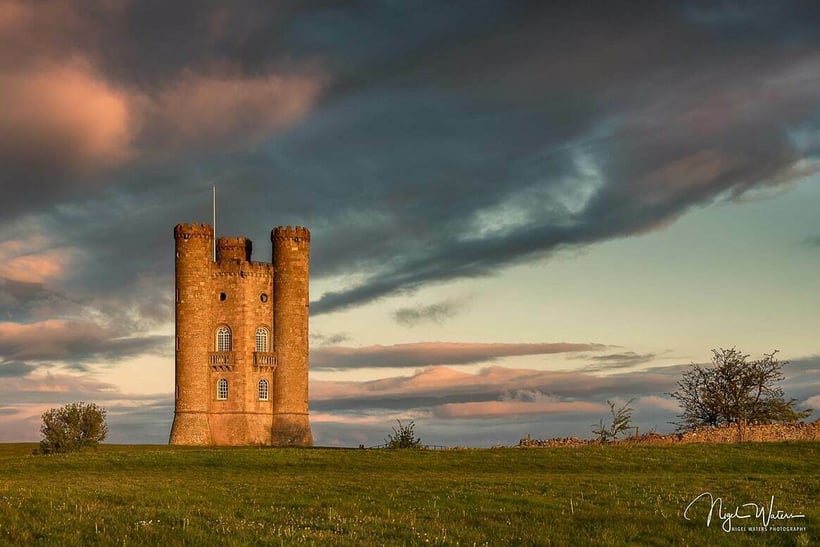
[(221, 358), (264, 359)]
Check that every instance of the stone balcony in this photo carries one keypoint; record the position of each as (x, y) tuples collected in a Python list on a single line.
[(264, 359), (222, 360)]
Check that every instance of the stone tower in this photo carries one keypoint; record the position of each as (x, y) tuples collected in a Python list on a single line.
[(241, 340)]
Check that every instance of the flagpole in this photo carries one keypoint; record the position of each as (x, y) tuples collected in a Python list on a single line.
[(214, 214)]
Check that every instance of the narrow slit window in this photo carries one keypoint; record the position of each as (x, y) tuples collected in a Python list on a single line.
[(222, 390), (263, 390)]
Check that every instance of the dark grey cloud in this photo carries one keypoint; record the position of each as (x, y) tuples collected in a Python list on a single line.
[(147, 420), (15, 368), (613, 361), (432, 313), (328, 339), (813, 241), (447, 141), (73, 341), (432, 353)]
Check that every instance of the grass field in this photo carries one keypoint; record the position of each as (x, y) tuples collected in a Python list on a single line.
[(231, 496)]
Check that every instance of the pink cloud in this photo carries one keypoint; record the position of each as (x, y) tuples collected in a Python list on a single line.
[(438, 381), (32, 259), (64, 114), (219, 108), (44, 339), (13, 16), (433, 353), (661, 403), (813, 402), (36, 268), (21, 423), (69, 339), (26, 398), (503, 409)]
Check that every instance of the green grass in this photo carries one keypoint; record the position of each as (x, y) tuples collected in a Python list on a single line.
[(588, 496)]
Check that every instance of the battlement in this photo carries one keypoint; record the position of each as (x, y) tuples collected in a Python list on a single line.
[(243, 269), (194, 229), (284, 233), (233, 248)]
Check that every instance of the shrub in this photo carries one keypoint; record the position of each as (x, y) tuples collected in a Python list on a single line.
[(403, 437), (72, 427), (621, 419)]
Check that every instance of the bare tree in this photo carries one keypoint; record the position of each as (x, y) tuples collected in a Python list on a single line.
[(621, 422), (734, 390)]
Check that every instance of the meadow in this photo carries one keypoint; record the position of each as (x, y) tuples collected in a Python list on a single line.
[(616, 495)]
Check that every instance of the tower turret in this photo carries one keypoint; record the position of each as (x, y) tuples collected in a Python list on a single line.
[(233, 248), (194, 248), (291, 423)]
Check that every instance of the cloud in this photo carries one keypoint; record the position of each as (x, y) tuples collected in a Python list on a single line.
[(508, 409), (15, 368), (812, 241), (616, 360), (433, 313), (648, 402), (64, 116), (33, 259), (228, 109), (329, 339), (441, 385), (70, 341), (420, 145), (431, 353), (26, 398)]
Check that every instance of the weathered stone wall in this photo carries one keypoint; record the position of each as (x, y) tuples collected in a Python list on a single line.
[(194, 249), (238, 293), (800, 431), (291, 425), (240, 299)]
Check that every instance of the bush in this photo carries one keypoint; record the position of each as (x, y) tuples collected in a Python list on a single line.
[(72, 427), (403, 437), (734, 390), (621, 422)]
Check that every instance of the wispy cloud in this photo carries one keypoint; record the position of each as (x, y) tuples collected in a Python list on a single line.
[(328, 339), (615, 361), (432, 313), (70, 341), (432, 353), (509, 409)]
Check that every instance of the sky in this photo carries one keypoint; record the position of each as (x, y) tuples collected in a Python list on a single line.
[(519, 210)]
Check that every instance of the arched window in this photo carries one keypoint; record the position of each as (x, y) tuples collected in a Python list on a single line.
[(223, 338), (263, 390), (261, 339), (222, 390)]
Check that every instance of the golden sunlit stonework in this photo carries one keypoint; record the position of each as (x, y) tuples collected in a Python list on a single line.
[(241, 340)]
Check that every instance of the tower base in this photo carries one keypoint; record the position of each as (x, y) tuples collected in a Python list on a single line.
[(191, 428), (291, 430)]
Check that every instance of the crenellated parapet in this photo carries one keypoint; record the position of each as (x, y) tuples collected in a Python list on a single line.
[(194, 229), (243, 269), (295, 233), (234, 248)]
